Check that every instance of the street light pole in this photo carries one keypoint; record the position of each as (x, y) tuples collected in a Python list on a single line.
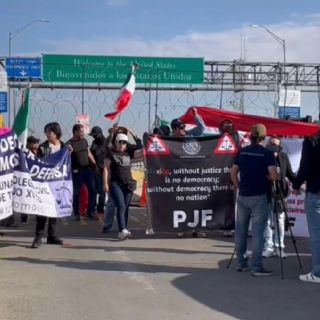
[(21, 29), (283, 44), (11, 36)]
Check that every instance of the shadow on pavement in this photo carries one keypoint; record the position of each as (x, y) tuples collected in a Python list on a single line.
[(235, 294)]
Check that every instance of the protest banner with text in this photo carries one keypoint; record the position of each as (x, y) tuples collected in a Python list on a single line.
[(188, 182), (43, 186)]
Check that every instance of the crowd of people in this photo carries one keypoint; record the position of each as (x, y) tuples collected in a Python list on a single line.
[(260, 176)]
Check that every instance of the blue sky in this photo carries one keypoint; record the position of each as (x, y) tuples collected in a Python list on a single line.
[(202, 28), (80, 20)]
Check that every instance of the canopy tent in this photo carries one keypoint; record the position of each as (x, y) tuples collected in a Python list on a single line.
[(243, 122)]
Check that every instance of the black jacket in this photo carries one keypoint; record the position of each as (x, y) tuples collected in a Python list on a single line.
[(285, 172), (99, 149), (309, 170), (280, 190), (44, 149)]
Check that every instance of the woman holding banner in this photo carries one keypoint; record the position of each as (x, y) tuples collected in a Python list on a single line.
[(117, 177), (51, 145)]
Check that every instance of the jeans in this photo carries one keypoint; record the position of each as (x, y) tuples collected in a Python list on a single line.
[(255, 207), (272, 238), (99, 192), (121, 197), (40, 226), (312, 207), (83, 176), (109, 214)]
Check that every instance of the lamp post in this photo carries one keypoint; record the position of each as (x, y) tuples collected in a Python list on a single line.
[(21, 29), (283, 44), (11, 36)]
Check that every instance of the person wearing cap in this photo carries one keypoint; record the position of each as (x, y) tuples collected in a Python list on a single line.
[(99, 151), (53, 144), (256, 167), (163, 130), (81, 162), (278, 196), (179, 130), (226, 126), (117, 177), (179, 127)]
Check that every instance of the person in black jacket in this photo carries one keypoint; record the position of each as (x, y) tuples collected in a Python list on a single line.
[(279, 190), (51, 145), (309, 172), (99, 151)]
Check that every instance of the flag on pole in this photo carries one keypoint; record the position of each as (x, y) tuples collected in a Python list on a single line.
[(20, 124), (125, 94)]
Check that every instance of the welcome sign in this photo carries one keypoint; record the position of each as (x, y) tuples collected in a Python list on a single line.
[(115, 69)]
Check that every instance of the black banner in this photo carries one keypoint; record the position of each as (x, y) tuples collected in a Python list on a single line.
[(188, 181)]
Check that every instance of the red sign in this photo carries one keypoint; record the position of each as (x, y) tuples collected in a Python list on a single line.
[(226, 145), (156, 146)]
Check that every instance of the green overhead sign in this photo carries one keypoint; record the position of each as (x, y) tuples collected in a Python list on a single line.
[(114, 69)]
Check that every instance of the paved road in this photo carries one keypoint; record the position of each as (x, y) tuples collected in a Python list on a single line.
[(159, 277)]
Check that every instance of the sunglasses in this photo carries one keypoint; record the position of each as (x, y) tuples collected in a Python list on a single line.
[(122, 142), (182, 127)]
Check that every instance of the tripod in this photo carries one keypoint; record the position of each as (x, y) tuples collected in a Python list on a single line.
[(277, 195)]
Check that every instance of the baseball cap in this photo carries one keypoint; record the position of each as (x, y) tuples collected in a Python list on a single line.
[(229, 121), (258, 130), (121, 137), (32, 139), (175, 123), (96, 130)]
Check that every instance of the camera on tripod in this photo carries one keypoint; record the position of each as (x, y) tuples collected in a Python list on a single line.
[(274, 148)]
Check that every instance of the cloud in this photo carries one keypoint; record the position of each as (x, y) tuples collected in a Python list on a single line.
[(117, 3), (302, 43)]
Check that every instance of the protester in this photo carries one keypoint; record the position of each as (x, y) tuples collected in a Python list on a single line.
[(179, 130), (118, 181), (163, 130), (227, 126), (255, 164), (309, 172), (278, 194), (110, 207), (33, 144), (99, 151), (53, 144), (81, 160)]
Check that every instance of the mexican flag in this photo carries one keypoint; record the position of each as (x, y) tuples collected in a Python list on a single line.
[(125, 95), (20, 124)]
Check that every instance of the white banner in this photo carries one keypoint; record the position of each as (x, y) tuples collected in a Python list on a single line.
[(289, 98), (34, 186), (296, 213)]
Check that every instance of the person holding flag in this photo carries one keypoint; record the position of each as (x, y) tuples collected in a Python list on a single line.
[(117, 177)]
